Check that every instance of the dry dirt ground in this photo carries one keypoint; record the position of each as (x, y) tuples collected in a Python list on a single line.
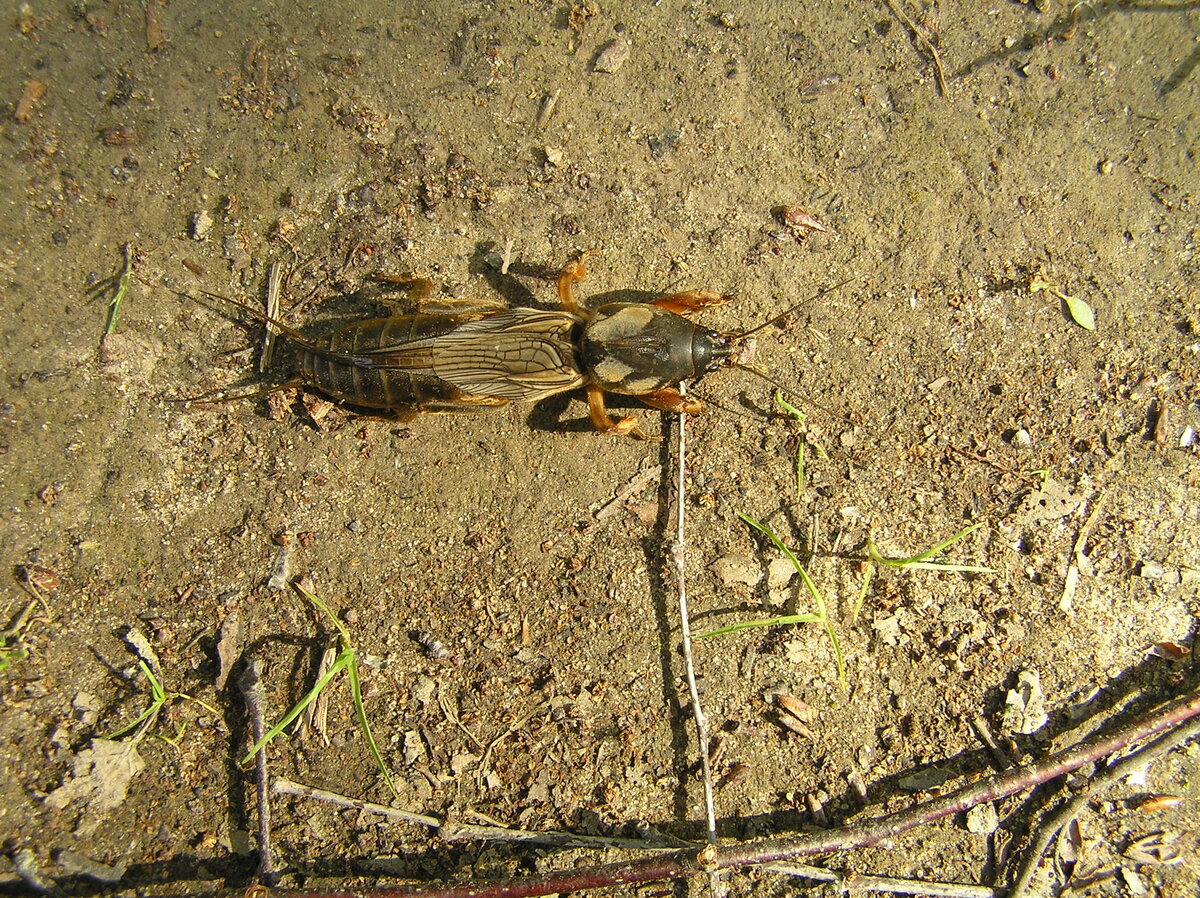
[(519, 651)]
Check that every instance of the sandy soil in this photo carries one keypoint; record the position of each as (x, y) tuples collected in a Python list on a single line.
[(519, 651)]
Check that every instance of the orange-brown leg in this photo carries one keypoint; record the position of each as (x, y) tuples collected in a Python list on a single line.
[(572, 273), (692, 301), (604, 423), (673, 401)]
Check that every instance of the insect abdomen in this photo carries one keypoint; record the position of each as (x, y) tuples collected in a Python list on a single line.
[(354, 364)]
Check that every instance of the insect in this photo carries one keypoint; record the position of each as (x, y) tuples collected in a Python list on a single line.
[(453, 363)]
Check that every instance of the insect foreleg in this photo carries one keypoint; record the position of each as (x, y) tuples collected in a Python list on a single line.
[(604, 423), (692, 301), (671, 400), (572, 273)]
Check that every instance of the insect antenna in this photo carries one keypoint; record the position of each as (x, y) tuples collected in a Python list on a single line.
[(290, 332), (793, 308), (216, 397)]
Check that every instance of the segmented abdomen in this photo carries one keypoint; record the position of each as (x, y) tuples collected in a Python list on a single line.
[(374, 363)]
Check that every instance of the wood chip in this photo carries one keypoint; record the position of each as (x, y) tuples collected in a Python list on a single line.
[(34, 91), (155, 38), (229, 648)]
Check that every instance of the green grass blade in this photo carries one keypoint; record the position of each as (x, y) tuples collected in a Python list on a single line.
[(298, 709), (788, 407), (114, 304), (799, 416), (325, 608), (921, 556), (948, 568), (149, 712), (361, 711), (784, 620), (157, 700), (818, 599), (824, 618)]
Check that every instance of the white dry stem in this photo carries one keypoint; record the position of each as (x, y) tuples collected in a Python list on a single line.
[(678, 555), (274, 282)]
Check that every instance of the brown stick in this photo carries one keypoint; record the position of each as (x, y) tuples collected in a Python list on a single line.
[(938, 74), (1096, 784), (250, 683), (871, 832)]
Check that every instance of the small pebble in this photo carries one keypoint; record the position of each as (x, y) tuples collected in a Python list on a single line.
[(983, 819), (732, 569), (1022, 440), (201, 225), (613, 56), (780, 573)]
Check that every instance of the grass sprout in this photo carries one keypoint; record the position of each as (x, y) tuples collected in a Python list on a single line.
[(119, 285), (11, 654), (347, 660), (922, 561), (159, 697), (803, 441), (1081, 313), (820, 616)]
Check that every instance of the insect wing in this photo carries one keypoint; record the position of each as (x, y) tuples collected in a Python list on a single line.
[(521, 354)]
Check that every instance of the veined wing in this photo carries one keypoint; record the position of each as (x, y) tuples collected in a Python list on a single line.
[(521, 354)]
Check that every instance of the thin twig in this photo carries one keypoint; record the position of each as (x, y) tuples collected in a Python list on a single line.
[(250, 683), (682, 864), (462, 832), (860, 882), (938, 74), (980, 726), (1095, 784), (678, 554)]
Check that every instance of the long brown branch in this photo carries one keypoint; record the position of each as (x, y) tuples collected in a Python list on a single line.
[(860, 835)]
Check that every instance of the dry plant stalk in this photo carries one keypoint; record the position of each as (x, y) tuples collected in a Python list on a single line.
[(679, 555), (682, 864)]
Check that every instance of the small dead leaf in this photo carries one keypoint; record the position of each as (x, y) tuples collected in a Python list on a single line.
[(1070, 849), (1172, 651), (801, 710), (800, 221), (1154, 848), (1149, 804), (613, 56), (229, 648)]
